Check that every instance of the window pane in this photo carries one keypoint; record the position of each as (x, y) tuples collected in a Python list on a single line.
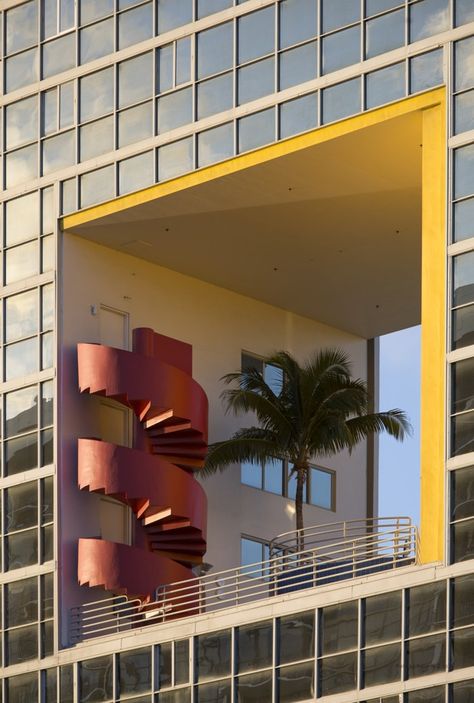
[(463, 284), (372, 7), (21, 27), (464, 12), (426, 655), (464, 171), (337, 674), (255, 688), (296, 637), (462, 386), (21, 549), (256, 130), (21, 454), (215, 95), (216, 145), (426, 71), (298, 21), (291, 486), (96, 41), (174, 110), (95, 679), (134, 670), (464, 112), (250, 553), (136, 172), (462, 541), (175, 159), (97, 94), (21, 645), (462, 648), (96, 138), (273, 476), (463, 327), (164, 68), (298, 115), (47, 514), (66, 105), (21, 70), (462, 434), (21, 122), (21, 411), (59, 55), (337, 13), (255, 646), (341, 100), (21, 689), (256, 80), (135, 124), (21, 165), (251, 474), (213, 655), (341, 49), (21, 506), (427, 18), (462, 493), (434, 694), (91, 10), (339, 627), (256, 32), (97, 186), (59, 152), (135, 26), (21, 262), (181, 662), (49, 111), (214, 50), (383, 615), (426, 608), (173, 14), (22, 218), (382, 664), (21, 358), (385, 85), (464, 69), (207, 7), (21, 315), (385, 33), (298, 65), (21, 605), (463, 600), (212, 693), (296, 683), (183, 60), (66, 14)]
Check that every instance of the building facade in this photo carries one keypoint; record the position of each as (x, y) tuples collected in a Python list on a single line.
[(239, 176)]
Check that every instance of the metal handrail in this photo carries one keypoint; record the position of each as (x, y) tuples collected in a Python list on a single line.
[(345, 555)]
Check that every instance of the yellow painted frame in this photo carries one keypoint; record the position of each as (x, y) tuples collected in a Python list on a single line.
[(433, 106)]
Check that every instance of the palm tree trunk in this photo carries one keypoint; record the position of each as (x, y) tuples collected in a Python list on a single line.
[(301, 473)]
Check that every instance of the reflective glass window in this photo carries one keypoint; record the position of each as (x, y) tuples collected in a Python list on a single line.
[(215, 145), (134, 671), (219, 692), (21, 27), (255, 646), (59, 152), (463, 600), (256, 32), (255, 688), (21, 601), (49, 111), (385, 33), (339, 627), (135, 124), (22, 688), (21, 645), (428, 17), (295, 683), (296, 637), (464, 171), (373, 7), (382, 664), (22, 218), (21, 262), (215, 95), (165, 68), (464, 60), (382, 618), (463, 275), (135, 25), (173, 14), (321, 488), (337, 674), (96, 138), (97, 186), (96, 94), (183, 60), (426, 71), (21, 549), (298, 65), (256, 80), (426, 655), (95, 679), (462, 327), (21, 70), (21, 315), (298, 21), (464, 12), (213, 655), (21, 359), (464, 112), (462, 493), (208, 7), (434, 694), (251, 474), (426, 608), (96, 40), (338, 13), (341, 49), (462, 539), (463, 385), (214, 50), (256, 130), (136, 172), (175, 159), (385, 85), (462, 434), (341, 100), (174, 110), (90, 10), (298, 115), (21, 411), (21, 165), (462, 648), (21, 122), (66, 105), (21, 506), (59, 55)]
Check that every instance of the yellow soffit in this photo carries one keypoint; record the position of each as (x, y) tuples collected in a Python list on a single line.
[(267, 153)]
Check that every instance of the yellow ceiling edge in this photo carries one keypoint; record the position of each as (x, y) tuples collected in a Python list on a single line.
[(254, 158)]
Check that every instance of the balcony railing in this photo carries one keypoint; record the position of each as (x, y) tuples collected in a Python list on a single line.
[(308, 558)]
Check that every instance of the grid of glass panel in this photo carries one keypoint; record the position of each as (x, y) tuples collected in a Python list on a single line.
[(386, 638)]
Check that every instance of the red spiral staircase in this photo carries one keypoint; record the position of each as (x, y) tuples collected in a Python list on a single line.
[(155, 477)]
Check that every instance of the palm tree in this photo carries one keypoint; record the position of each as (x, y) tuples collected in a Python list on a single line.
[(317, 410)]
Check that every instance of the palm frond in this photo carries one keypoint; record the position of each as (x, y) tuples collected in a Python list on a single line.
[(393, 422), (252, 444)]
